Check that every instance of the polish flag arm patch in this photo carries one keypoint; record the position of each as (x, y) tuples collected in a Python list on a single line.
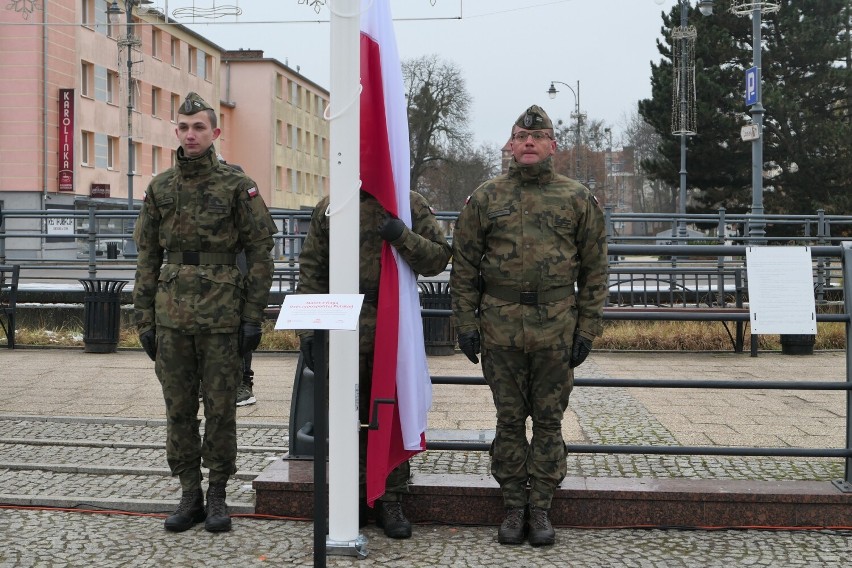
[(252, 192)]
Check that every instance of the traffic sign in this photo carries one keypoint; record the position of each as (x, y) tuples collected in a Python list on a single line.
[(752, 84)]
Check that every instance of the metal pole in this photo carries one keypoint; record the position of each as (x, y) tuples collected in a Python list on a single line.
[(579, 139), (681, 223), (756, 230), (128, 8)]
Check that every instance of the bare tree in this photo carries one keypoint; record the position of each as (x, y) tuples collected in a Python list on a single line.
[(448, 184), (438, 110)]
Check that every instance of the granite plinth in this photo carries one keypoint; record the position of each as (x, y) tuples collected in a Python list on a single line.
[(285, 488)]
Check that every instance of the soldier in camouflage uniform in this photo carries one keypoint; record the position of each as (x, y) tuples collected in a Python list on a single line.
[(195, 313), (425, 249), (520, 244)]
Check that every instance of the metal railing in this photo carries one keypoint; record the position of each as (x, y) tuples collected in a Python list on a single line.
[(844, 254)]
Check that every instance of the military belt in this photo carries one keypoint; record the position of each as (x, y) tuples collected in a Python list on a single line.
[(196, 258), (371, 296), (529, 298)]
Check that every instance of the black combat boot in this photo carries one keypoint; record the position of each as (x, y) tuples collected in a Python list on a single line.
[(218, 519), (514, 526), (541, 531), (390, 517), (189, 511)]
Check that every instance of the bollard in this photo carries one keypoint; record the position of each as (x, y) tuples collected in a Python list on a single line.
[(101, 314)]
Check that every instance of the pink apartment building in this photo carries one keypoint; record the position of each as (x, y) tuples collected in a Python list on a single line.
[(64, 119)]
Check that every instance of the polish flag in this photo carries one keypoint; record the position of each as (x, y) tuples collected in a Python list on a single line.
[(399, 363)]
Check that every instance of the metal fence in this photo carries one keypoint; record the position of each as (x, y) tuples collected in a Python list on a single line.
[(644, 277)]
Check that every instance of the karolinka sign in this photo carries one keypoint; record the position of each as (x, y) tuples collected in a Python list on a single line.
[(66, 140)]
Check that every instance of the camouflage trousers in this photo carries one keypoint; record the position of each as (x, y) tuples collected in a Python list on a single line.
[(397, 482), (535, 385), (185, 362)]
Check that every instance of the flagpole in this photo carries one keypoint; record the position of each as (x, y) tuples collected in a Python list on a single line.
[(344, 239)]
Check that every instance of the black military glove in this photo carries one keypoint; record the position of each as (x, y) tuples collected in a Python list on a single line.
[(148, 339), (469, 344), (306, 346), (581, 349), (248, 338), (391, 228)]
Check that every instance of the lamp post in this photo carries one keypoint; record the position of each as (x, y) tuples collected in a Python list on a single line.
[(551, 92), (757, 225), (683, 88), (128, 43)]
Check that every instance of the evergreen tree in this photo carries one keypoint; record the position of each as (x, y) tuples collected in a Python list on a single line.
[(806, 122)]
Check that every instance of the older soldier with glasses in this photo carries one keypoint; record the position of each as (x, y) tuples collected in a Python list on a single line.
[(521, 243)]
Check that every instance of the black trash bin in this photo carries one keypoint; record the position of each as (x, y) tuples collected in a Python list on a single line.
[(112, 251), (438, 331), (101, 314), (797, 344)]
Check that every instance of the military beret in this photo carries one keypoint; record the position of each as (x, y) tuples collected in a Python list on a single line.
[(534, 118), (193, 104)]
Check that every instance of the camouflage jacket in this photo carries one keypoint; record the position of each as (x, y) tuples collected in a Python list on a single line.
[(530, 230), (207, 207), (423, 247)]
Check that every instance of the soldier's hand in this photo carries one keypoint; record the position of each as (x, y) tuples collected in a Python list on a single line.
[(580, 350), (306, 346), (469, 344), (248, 338), (148, 339), (391, 228)]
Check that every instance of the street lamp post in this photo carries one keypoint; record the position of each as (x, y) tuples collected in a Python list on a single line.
[(128, 43), (683, 87), (757, 225), (551, 92)]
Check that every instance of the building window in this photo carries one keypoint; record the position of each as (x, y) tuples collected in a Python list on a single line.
[(156, 42), (87, 142), (134, 95), (292, 95), (290, 136), (279, 85), (155, 101), (316, 148), (87, 15), (112, 88), (135, 152), (279, 177), (112, 153), (173, 161), (175, 105), (155, 160), (87, 79), (291, 179), (207, 66), (175, 52), (297, 143), (279, 132), (193, 61)]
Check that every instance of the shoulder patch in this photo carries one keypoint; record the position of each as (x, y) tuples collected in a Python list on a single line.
[(595, 199), (252, 192), (431, 210)]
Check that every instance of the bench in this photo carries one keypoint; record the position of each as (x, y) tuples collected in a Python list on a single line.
[(9, 275)]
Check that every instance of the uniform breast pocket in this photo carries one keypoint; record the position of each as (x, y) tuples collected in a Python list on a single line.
[(561, 221), (215, 215)]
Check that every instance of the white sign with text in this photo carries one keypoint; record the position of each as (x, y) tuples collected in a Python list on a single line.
[(320, 311), (781, 290)]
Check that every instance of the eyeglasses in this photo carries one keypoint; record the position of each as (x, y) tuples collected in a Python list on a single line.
[(536, 135)]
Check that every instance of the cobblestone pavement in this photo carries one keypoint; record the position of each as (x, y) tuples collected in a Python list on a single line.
[(82, 436)]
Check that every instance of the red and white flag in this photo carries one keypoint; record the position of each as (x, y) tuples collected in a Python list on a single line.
[(399, 364)]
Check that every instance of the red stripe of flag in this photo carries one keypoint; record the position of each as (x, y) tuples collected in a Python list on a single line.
[(399, 367)]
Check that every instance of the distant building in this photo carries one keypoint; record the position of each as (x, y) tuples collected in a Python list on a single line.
[(64, 114)]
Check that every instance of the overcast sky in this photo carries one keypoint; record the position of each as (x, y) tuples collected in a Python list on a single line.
[(508, 50)]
